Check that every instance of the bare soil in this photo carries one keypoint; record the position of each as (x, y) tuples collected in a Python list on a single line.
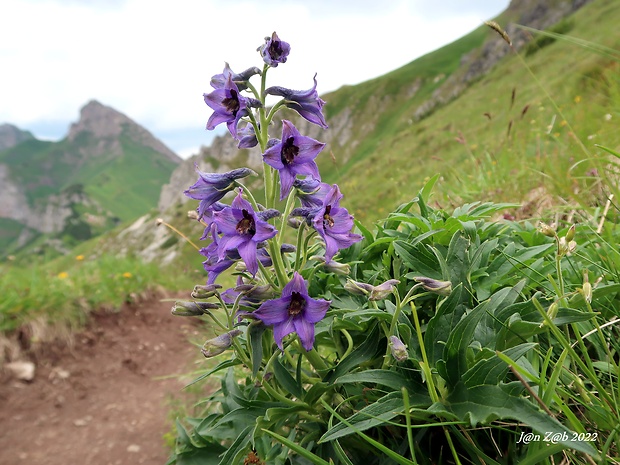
[(100, 400)]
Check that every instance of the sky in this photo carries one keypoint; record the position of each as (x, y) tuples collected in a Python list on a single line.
[(153, 59)]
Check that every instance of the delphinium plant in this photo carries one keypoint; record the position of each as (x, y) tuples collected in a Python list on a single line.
[(427, 340)]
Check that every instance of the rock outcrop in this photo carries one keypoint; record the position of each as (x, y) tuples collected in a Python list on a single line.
[(107, 125), (11, 135)]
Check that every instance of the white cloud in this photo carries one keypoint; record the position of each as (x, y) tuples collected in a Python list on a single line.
[(153, 59)]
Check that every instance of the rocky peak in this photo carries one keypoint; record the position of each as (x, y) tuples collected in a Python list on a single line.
[(106, 123), (11, 135)]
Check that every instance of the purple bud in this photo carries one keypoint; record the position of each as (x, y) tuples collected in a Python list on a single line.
[(433, 285), (398, 349), (192, 308), (217, 345)]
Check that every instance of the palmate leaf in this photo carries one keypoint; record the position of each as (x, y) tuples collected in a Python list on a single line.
[(486, 403)]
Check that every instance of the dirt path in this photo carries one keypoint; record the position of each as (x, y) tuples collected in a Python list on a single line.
[(98, 402)]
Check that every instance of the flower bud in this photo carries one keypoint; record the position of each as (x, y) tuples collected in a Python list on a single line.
[(333, 266), (192, 308), (288, 248), (205, 292), (552, 311), (294, 223), (381, 291), (398, 349), (433, 285), (586, 290), (570, 234), (546, 230), (357, 288), (217, 345)]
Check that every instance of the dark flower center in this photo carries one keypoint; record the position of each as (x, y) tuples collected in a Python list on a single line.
[(297, 304), (247, 224), (327, 219), (232, 103), (275, 49), (289, 151)]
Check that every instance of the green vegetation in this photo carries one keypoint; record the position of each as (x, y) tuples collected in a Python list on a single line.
[(484, 137), (65, 291)]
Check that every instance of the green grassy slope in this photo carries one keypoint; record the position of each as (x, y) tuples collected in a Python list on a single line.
[(478, 156)]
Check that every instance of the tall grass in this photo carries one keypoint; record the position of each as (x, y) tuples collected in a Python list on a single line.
[(66, 294)]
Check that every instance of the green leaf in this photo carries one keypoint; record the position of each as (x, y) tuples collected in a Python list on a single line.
[(419, 259), (220, 366), (285, 379), (255, 337), (239, 447), (209, 455), (493, 370), (387, 451), (315, 392), (374, 414), (365, 232), (364, 352), (440, 326), (486, 403), (454, 362), (315, 459), (425, 194), (391, 379)]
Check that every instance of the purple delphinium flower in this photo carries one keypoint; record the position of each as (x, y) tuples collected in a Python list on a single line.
[(295, 311), (228, 106), (247, 137), (311, 192), (274, 50), (242, 230), (212, 187), (334, 224), (293, 155), (305, 102), (219, 80)]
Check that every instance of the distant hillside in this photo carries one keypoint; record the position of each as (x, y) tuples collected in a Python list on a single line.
[(108, 169), (399, 109), (470, 111)]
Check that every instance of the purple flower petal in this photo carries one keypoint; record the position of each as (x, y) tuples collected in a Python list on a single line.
[(305, 331), (274, 51), (273, 312), (281, 330)]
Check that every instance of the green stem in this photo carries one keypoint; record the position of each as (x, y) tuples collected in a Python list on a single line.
[(315, 360), (300, 237), (278, 263), (274, 109), (424, 365), (290, 202)]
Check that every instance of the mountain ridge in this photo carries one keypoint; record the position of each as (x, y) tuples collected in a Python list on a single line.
[(107, 169)]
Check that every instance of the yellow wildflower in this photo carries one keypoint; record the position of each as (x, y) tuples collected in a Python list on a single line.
[(63, 275), (127, 274), (577, 98), (79, 258)]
